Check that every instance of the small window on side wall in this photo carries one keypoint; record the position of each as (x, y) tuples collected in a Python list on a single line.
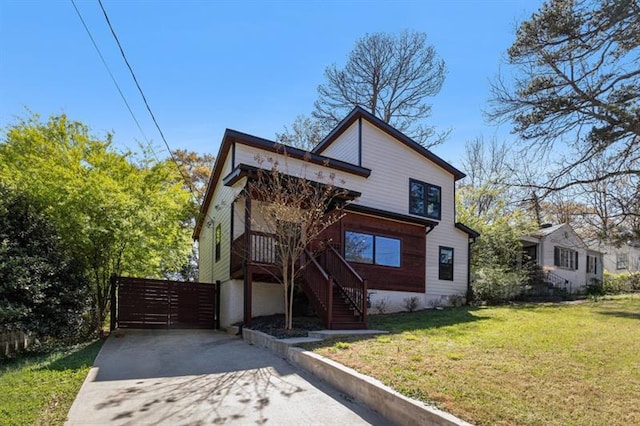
[(218, 241), (425, 199), (445, 267)]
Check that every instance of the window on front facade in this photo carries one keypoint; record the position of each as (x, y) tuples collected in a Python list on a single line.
[(445, 267), (565, 258), (592, 265), (425, 199), (218, 241), (622, 261), (372, 249)]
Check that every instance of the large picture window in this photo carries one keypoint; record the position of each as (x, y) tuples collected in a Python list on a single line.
[(372, 249), (425, 199), (565, 258), (445, 264)]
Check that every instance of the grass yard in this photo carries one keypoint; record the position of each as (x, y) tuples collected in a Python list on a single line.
[(40, 389), (532, 364)]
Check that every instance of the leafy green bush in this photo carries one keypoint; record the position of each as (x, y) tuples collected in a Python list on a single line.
[(497, 285), (42, 287), (621, 283)]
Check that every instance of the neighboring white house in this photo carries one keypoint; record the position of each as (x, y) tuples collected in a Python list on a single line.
[(620, 259), (564, 257), (400, 210)]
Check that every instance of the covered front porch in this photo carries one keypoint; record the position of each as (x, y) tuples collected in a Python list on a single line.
[(336, 292)]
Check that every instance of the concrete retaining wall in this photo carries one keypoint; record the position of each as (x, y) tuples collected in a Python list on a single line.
[(393, 406)]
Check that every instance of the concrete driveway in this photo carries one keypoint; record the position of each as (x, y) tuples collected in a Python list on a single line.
[(197, 377)]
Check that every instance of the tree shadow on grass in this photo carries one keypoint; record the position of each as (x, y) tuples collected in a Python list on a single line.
[(621, 314), (76, 358), (426, 319)]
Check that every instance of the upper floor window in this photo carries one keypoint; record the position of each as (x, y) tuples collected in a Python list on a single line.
[(592, 264), (445, 264), (565, 258), (372, 249), (622, 261), (425, 199)]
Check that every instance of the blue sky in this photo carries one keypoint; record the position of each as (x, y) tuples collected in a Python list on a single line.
[(252, 66)]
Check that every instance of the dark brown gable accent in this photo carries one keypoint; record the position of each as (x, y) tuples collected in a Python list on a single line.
[(358, 112), (410, 276), (231, 137)]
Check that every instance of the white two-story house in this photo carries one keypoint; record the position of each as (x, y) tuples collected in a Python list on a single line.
[(398, 233)]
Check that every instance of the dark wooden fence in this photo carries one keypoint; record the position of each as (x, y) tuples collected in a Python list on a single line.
[(147, 303)]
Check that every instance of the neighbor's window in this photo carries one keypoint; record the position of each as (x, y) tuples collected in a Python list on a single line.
[(425, 199), (622, 261), (218, 241), (565, 258), (445, 260), (592, 264), (372, 249)]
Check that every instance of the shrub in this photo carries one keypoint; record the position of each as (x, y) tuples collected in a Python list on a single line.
[(381, 305), (42, 287), (621, 283), (497, 285), (595, 288), (411, 303)]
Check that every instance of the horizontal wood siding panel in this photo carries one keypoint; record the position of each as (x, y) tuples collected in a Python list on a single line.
[(345, 147), (458, 240), (410, 276), (392, 164)]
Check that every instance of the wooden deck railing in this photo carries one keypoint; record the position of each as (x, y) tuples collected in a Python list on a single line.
[(317, 282), (263, 249), (352, 286)]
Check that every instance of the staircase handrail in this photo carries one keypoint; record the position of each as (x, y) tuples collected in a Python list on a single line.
[(351, 284), (322, 289)]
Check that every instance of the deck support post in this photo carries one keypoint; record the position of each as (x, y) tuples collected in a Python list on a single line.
[(247, 264)]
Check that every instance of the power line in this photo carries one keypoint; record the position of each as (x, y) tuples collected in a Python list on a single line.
[(115, 82), (133, 75)]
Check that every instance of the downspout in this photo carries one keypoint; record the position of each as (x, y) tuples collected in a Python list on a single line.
[(469, 289)]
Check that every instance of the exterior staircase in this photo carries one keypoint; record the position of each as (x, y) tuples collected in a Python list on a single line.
[(337, 293)]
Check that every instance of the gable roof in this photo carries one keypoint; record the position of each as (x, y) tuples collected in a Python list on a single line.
[(543, 232), (359, 112), (233, 136)]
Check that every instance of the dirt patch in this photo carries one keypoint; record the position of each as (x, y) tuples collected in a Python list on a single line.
[(274, 325)]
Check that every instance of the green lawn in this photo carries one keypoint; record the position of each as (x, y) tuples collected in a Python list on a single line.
[(535, 364), (40, 389)]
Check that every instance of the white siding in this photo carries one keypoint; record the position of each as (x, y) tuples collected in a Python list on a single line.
[(567, 238), (611, 258), (295, 167), (219, 213), (392, 164), (345, 147)]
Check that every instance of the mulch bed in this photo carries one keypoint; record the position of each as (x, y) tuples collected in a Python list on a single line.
[(274, 325)]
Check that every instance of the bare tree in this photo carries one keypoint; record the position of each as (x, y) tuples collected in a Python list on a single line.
[(294, 210), (389, 75), (577, 68), (305, 133), (488, 174)]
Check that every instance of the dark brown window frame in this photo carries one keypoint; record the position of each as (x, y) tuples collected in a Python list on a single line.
[(373, 249), (443, 267), (426, 187)]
